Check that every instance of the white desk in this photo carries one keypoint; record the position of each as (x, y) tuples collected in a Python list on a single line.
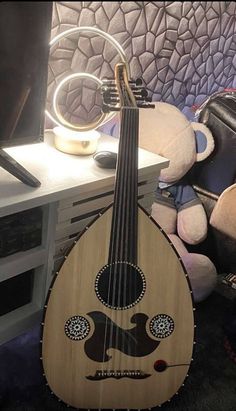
[(73, 190), (61, 175)]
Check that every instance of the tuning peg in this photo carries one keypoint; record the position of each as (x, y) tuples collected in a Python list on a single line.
[(113, 101), (137, 82), (108, 80), (110, 97), (109, 84), (144, 93), (140, 90), (146, 105), (107, 108), (141, 93), (140, 98), (148, 99), (109, 89)]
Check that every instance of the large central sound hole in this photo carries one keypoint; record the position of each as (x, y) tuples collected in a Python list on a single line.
[(120, 285)]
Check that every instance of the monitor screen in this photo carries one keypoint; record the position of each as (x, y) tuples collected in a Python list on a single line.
[(25, 29)]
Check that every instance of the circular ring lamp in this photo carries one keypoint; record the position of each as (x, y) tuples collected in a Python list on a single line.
[(77, 138)]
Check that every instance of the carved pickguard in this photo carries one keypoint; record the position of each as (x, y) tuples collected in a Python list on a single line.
[(134, 342)]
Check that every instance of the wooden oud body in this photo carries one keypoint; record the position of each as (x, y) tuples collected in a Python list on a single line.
[(65, 362)]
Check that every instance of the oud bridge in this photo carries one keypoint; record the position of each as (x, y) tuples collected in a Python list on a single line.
[(118, 374)]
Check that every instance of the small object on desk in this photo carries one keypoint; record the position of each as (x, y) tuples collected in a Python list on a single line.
[(105, 159)]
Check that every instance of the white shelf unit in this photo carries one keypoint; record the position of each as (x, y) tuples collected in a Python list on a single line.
[(73, 190), (38, 261)]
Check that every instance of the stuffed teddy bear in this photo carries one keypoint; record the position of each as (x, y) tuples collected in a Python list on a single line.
[(166, 131)]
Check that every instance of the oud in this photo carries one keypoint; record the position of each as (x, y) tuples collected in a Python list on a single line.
[(118, 328)]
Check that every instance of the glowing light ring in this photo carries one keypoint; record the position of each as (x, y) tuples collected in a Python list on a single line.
[(104, 118), (57, 111)]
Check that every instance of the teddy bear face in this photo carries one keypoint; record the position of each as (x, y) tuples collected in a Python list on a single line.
[(164, 130), (180, 149)]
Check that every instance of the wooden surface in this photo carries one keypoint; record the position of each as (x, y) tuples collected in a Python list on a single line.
[(73, 293), (61, 175)]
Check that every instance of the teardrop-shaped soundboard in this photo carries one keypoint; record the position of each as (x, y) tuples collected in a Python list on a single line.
[(100, 351)]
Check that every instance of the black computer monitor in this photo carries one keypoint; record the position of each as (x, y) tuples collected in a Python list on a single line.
[(25, 29)]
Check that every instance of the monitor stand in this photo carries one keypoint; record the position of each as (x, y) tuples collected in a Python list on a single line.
[(6, 161), (14, 168)]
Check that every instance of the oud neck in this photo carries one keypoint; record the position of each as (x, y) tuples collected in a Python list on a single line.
[(123, 239)]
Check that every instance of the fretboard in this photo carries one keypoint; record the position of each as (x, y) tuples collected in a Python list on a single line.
[(123, 239)]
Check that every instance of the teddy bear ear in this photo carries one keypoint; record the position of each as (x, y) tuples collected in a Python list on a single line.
[(204, 141)]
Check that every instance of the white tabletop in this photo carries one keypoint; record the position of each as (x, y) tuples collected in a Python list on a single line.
[(60, 174)]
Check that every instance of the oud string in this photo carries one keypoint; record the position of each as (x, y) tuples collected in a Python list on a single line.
[(126, 239), (116, 235), (111, 259), (135, 211), (131, 238), (126, 208), (122, 226), (111, 252), (127, 255)]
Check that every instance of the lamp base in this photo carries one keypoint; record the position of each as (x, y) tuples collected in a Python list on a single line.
[(77, 143)]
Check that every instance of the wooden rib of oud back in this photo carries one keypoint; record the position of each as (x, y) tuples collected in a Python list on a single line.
[(65, 362)]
